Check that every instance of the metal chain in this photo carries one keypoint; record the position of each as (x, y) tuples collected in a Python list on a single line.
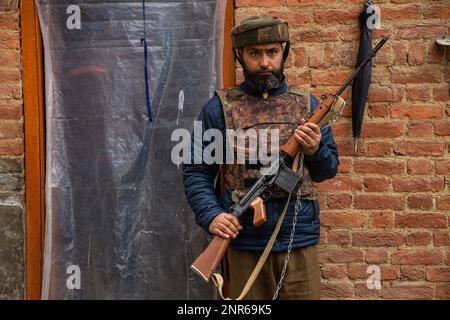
[(298, 206)]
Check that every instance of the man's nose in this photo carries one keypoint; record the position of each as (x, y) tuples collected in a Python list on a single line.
[(264, 62)]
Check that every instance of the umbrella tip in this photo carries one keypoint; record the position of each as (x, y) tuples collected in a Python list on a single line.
[(355, 150)]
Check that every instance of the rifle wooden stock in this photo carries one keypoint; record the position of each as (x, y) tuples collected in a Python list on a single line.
[(210, 258), (292, 147)]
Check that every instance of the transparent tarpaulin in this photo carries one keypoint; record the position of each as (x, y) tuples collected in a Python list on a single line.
[(118, 225)]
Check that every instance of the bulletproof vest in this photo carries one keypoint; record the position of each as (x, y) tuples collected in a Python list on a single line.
[(243, 112)]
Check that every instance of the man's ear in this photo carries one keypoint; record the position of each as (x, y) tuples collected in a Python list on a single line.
[(238, 55)]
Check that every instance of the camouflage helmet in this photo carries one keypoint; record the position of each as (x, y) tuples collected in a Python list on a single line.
[(259, 30)]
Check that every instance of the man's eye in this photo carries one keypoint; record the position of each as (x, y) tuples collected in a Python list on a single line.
[(254, 54)]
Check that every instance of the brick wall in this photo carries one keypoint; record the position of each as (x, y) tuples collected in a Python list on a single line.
[(389, 205), (11, 156)]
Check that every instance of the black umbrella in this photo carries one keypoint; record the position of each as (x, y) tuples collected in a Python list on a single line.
[(361, 83)]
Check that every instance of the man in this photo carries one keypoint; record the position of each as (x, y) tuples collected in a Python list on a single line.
[(264, 101)]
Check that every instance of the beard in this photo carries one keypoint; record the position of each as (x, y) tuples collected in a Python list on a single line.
[(261, 82)]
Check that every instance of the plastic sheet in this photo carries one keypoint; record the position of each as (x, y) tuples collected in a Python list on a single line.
[(118, 225)]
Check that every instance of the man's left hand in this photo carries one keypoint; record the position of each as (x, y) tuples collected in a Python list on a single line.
[(308, 135)]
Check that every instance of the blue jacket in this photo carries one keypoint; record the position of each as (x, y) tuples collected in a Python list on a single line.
[(199, 188)]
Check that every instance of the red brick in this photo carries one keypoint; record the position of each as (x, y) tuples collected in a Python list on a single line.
[(420, 129), (9, 39), (300, 57), (398, 14), (340, 255), (336, 289), (441, 238), (313, 35), (339, 237), (377, 238), (421, 220), (384, 57), (436, 53), (259, 3), (443, 291), (10, 112), (11, 147), (341, 183), (378, 166), (377, 255), (327, 77), (345, 165), (418, 93), (419, 148), (359, 271), (378, 110), (411, 273), (400, 52), (416, 257), (443, 166), (346, 147), (420, 202), (362, 291), (434, 274), (413, 184), (342, 219), (303, 3), (416, 111), (418, 31), (382, 130), (10, 91), (417, 53), (9, 75), (334, 271), (293, 17), (368, 201), (418, 238), (418, 75), (441, 93), (9, 58), (437, 11), (408, 291), (339, 54), (333, 16), (385, 94), (379, 149), (342, 129), (418, 166), (443, 203), (339, 200), (9, 21), (381, 219), (11, 129), (442, 128), (376, 184)]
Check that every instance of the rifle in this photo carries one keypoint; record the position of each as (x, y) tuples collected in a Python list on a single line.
[(278, 174)]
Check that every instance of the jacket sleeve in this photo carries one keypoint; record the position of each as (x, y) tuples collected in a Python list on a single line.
[(325, 162), (199, 178)]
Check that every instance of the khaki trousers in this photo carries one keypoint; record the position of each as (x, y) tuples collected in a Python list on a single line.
[(301, 281)]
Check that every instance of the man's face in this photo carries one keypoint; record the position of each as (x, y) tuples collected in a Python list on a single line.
[(263, 65)]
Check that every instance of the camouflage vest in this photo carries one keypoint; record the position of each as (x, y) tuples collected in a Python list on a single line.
[(242, 111)]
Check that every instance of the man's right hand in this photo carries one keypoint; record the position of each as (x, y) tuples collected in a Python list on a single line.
[(225, 225)]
